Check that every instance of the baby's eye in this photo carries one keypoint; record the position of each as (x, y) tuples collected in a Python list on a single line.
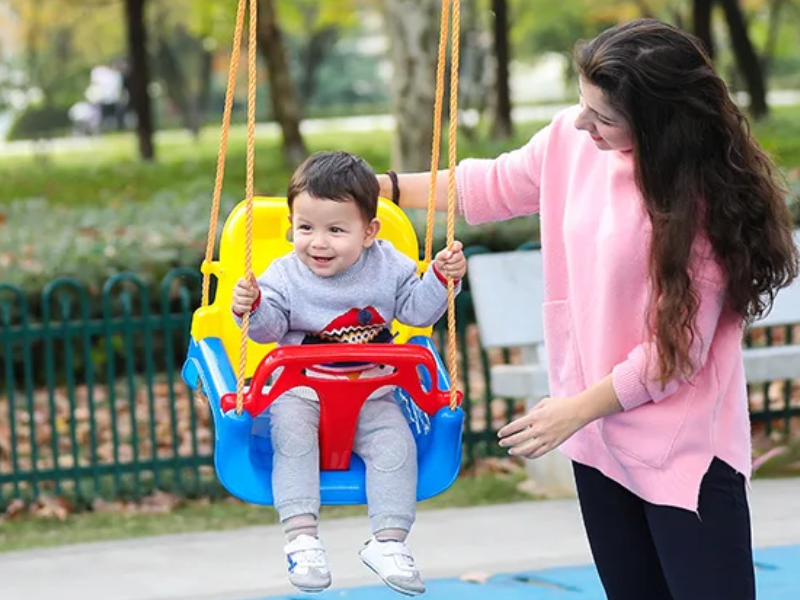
[(304, 227), (337, 230)]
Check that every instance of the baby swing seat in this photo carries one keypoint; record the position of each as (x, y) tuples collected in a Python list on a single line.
[(243, 450)]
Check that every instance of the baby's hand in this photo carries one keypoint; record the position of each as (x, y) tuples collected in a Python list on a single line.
[(245, 294), (451, 261)]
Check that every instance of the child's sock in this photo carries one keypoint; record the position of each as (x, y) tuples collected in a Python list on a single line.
[(300, 525), (391, 534)]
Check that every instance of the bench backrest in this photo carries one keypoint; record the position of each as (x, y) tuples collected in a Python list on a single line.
[(508, 292), (786, 309)]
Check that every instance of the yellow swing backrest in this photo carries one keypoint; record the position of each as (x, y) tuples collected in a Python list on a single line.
[(271, 240)]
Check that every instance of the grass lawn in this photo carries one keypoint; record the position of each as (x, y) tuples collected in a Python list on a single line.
[(107, 171), (25, 533)]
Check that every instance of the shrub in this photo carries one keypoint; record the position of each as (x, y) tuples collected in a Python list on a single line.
[(40, 241), (40, 122)]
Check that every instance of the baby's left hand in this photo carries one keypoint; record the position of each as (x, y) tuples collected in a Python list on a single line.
[(451, 262)]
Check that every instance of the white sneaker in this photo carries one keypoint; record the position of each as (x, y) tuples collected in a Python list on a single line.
[(308, 566), (392, 562)]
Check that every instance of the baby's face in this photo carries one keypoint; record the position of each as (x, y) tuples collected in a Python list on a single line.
[(329, 235)]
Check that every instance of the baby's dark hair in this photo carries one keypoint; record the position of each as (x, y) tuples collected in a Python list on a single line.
[(338, 176)]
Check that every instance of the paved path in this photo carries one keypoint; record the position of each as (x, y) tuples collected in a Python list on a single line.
[(66, 145), (248, 564), (777, 579)]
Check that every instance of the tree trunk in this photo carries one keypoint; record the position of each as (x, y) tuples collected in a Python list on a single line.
[(175, 79), (313, 55), (775, 10), (140, 77), (474, 92), (702, 23), (205, 71), (502, 126), (746, 58), (285, 105), (413, 27)]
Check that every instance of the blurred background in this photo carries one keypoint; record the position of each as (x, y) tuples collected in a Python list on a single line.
[(90, 67), (106, 102)]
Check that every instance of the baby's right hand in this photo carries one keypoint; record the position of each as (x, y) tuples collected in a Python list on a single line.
[(245, 294)]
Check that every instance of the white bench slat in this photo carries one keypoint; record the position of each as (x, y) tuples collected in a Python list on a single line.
[(786, 308), (520, 381), (773, 363), (508, 292)]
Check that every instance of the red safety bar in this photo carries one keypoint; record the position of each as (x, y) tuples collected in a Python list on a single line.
[(341, 399)]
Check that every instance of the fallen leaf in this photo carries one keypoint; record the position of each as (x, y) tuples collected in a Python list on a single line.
[(15, 509), (50, 507), (478, 577)]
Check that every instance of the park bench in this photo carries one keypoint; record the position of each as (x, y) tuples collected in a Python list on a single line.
[(508, 292), (775, 363)]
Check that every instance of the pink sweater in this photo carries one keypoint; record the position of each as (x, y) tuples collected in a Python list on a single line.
[(595, 238)]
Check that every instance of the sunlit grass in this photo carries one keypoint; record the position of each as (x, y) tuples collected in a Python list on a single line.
[(107, 169)]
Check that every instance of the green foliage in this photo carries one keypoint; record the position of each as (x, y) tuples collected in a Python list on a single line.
[(310, 16), (780, 136), (61, 41), (546, 26), (87, 214), (793, 180), (329, 64), (210, 20), (40, 122), (93, 243)]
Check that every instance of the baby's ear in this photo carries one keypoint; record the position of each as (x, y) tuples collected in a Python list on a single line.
[(371, 232)]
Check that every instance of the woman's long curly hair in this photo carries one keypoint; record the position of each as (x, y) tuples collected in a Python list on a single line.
[(699, 170)]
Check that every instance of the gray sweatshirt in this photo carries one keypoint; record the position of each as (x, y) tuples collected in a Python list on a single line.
[(358, 305)]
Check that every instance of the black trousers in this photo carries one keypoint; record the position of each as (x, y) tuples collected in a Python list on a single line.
[(647, 552)]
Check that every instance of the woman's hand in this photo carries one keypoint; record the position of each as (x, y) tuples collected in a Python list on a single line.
[(554, 420), (545, 427)]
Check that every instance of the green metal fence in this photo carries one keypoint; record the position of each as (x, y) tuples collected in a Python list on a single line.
[(92, 404)]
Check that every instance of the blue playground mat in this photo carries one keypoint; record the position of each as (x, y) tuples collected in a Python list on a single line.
[(777, 573)]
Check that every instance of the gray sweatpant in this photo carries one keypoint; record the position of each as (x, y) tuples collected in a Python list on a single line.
[(383, 440)]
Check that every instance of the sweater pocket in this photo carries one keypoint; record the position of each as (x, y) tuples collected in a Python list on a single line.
[(563, 363), (647, 434)]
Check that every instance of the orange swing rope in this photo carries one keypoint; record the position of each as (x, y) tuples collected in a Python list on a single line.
[(448, 14), (250, 170)]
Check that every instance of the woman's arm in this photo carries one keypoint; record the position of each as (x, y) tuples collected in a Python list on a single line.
[(414, 189), (489, 189), (635, 379)]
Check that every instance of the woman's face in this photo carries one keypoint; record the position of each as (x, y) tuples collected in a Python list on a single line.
[(608, 128)]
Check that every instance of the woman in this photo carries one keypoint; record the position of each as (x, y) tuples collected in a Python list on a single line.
[(664, 231)]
